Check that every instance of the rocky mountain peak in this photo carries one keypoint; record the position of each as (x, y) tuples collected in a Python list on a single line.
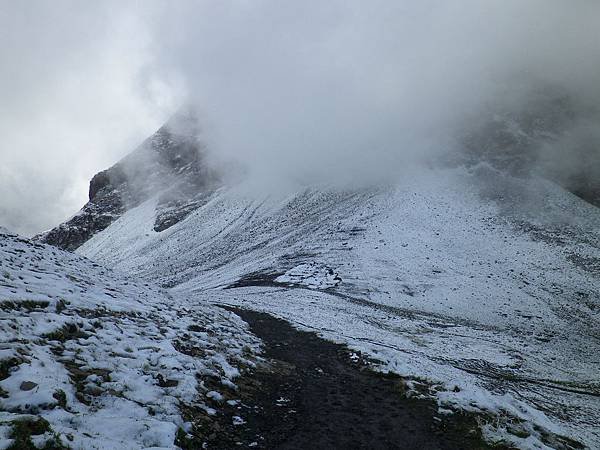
[(170, 163)]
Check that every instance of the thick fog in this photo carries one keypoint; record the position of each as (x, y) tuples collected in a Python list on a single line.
[(304, 91), (363, 89), (78, 90)]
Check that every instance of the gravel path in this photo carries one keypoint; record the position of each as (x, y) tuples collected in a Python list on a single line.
[(320, 395)]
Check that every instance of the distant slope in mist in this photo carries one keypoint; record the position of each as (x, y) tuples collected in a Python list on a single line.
[(545, 132)]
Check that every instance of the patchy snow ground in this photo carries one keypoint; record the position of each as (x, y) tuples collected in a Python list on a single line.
[(95, 360), (485, 285)]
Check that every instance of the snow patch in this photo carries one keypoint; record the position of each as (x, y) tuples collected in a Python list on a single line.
[(311, 275)]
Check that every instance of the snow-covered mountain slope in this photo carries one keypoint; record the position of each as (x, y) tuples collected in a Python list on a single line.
[(486, 285), (91, 359)]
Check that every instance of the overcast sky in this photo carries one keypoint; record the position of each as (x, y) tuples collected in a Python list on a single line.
[(292, 89)]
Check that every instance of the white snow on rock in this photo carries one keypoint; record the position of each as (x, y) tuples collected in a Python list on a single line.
[(105, 360), (311, 275), (485, 285)]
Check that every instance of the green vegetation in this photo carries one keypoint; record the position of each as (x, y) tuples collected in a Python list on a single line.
[(67, 332), (22, 430), (28, 305), (61, 398), (6, 365)]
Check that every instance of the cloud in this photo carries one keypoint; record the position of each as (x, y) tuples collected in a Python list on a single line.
[(302, 91), (353, 90), (78, 92)]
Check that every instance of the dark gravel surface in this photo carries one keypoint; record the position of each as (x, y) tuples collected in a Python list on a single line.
[(315, 395)]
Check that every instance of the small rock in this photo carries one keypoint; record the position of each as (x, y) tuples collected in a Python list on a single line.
[(28, 385)]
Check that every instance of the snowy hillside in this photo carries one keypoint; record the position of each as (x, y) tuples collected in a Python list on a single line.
[(90, 359), (483, 284)]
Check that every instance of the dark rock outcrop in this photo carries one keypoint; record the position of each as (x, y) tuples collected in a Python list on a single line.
[(171, 209), (170, 163)]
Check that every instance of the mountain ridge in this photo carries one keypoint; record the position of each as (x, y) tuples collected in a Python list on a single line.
[(172, 161)]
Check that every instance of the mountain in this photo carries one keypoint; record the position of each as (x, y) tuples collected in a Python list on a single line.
[(170, 161), (484, 283), (550, 135), (478, 280)]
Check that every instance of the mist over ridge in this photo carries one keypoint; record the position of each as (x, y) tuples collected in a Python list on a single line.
[(373, 90), (343, 92)]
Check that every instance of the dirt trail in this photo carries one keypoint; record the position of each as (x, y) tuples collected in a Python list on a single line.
[(318, 395)]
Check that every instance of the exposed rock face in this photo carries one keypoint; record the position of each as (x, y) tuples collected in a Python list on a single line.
[(171, 163), (172, 209)]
